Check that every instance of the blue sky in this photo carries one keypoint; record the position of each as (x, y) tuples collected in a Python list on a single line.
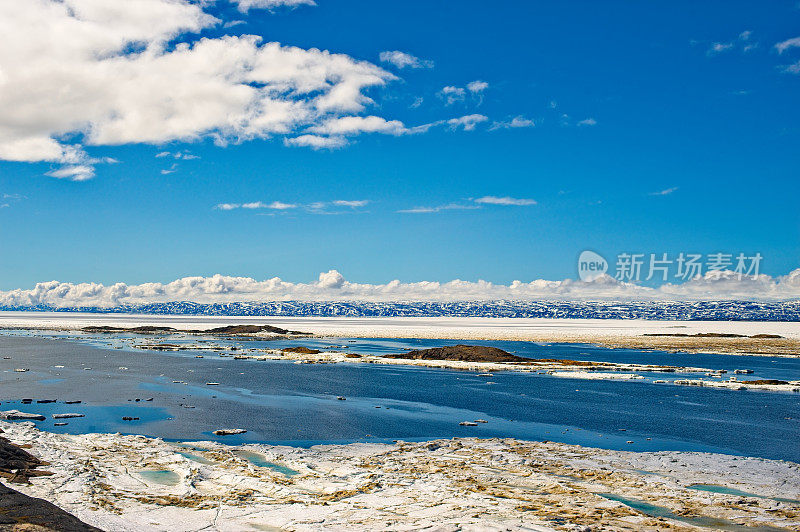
[(656, 128)]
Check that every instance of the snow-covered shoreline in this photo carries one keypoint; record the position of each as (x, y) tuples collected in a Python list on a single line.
[(119, 482), (523, 329)]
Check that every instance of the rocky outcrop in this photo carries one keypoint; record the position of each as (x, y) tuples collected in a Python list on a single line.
[(20, 512), (463, 353), (228, 329), (245, 329), (144, 329)]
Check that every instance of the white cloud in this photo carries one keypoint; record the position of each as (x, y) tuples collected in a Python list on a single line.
[(505, 200), (282, 206), (742, 42), (788, 43), (276, 205), (794, 68), (316, 142), (356, 125), (245, 5), (476, 203), (350, 203), (477, 86), (254, 205), (332, 286), (719, 47), (10, 199), (451, 94), (109, 73), (177, 155), (588, 122), (468, 122), (665, 192), (439, 208), (171, 170), (78, 172), (402, 60), (514, 123)]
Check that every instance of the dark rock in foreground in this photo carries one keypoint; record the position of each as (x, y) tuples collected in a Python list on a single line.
[(463, 353), (20, 512)]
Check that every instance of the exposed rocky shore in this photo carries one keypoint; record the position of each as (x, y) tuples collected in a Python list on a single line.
[(20, 512), (123, 483)]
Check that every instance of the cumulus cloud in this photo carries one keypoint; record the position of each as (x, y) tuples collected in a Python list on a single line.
[(452, 94), (246, 5), (79, 73), (477, 87), (494, 200), (332, 286), (402, 60), (588, 122)]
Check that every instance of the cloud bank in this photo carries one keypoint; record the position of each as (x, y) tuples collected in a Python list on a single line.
[(76, 73), (332, 286)]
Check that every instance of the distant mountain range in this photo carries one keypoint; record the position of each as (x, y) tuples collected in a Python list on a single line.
[(649, 310)]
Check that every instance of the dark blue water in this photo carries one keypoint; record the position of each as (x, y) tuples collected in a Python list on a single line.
[(783, 368), (282, 402)]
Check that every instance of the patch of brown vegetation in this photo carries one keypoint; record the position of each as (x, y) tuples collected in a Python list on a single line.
[(302, 350)]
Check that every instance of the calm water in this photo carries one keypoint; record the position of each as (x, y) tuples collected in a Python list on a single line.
[(282, 402)]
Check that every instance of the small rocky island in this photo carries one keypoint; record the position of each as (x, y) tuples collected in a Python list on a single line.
[(228, 329), (463, 353)]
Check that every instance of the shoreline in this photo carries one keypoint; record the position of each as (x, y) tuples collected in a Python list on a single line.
[(630, 334), (122, 483)]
